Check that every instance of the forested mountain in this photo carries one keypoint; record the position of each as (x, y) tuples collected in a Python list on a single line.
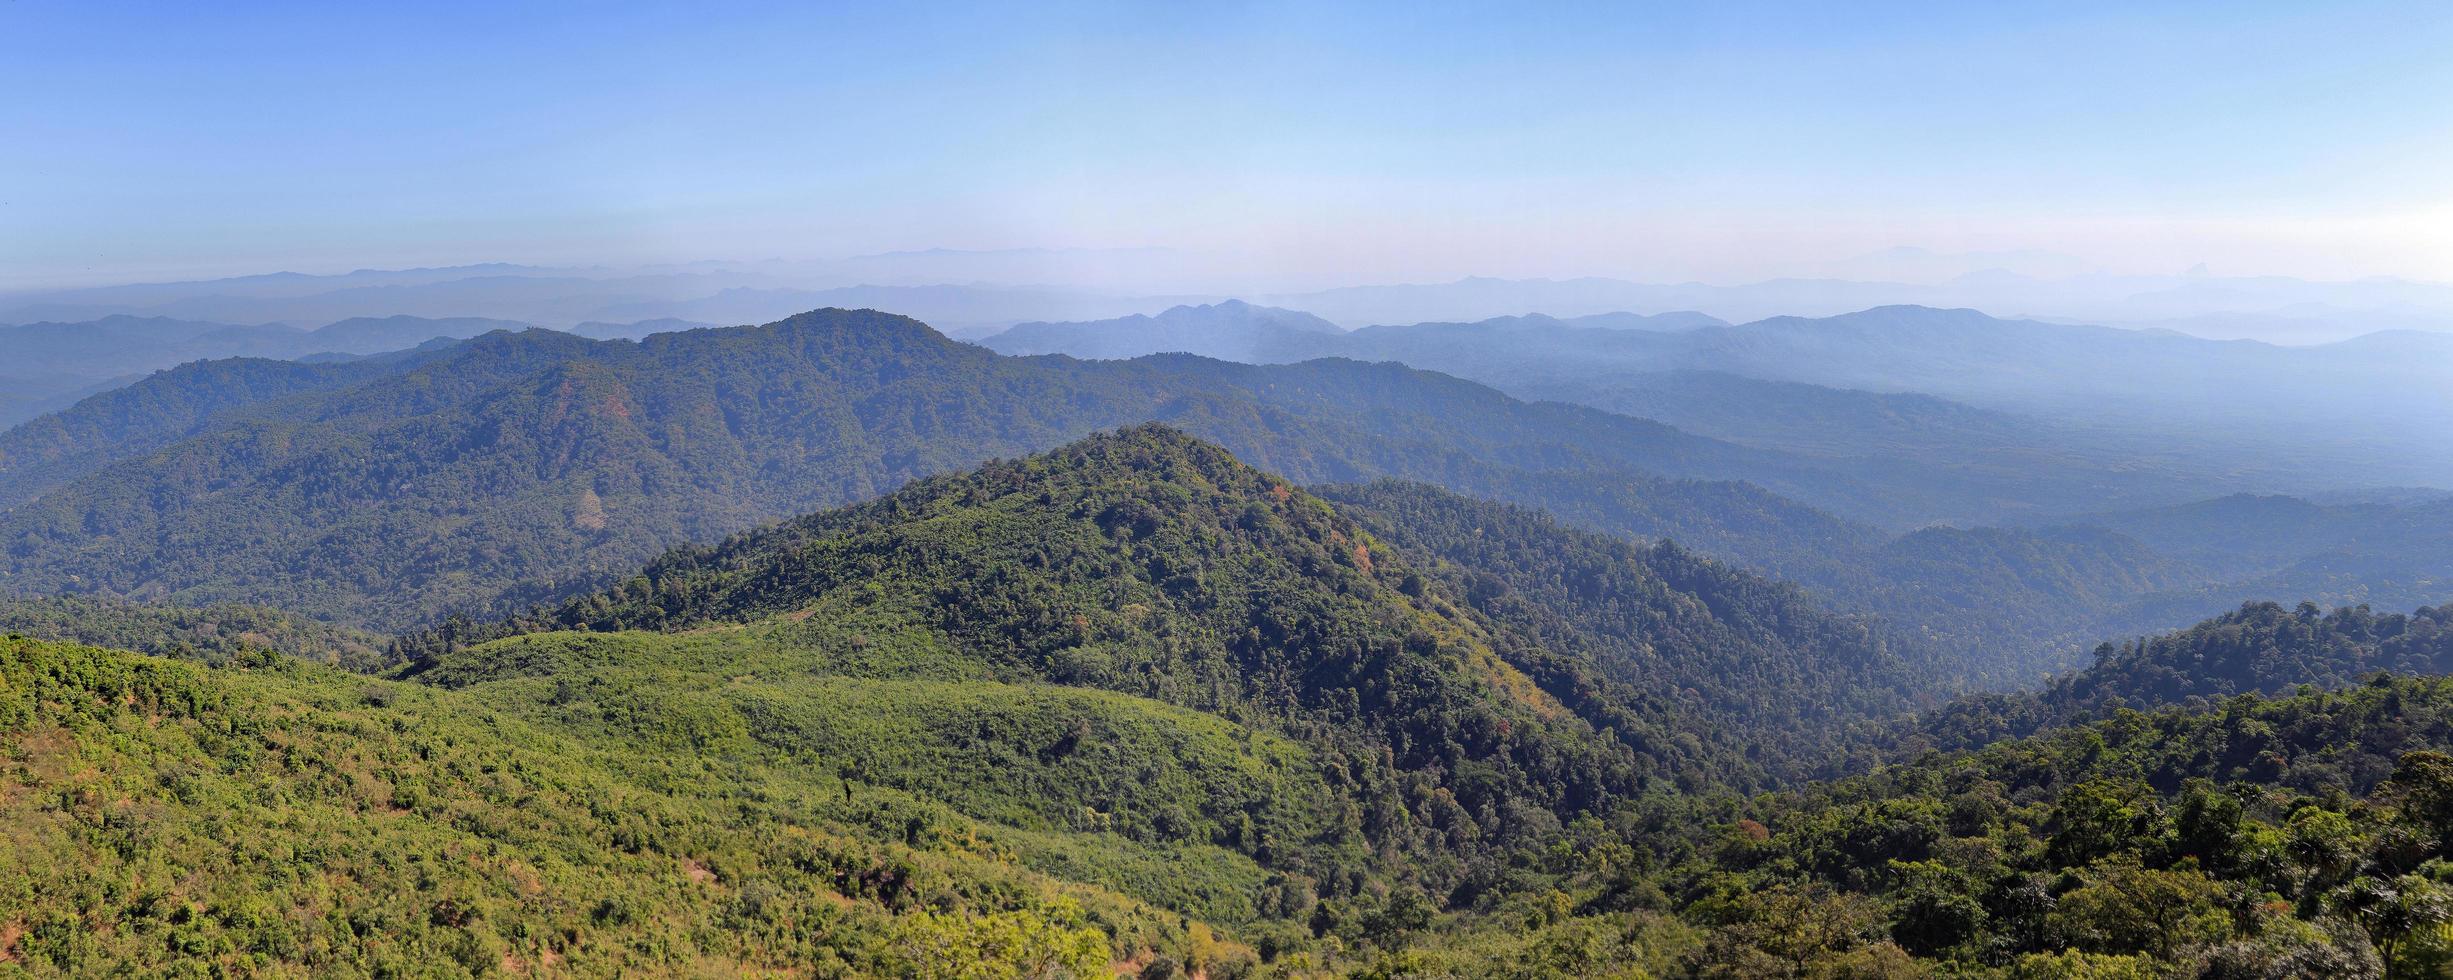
[(373, 335), (1151, 563), (1112, 701), (67, 361), (2004, 467), (2294, 540), (2262, 648), (2211, 397), (2236, 835), (514, 467), (1800, 417), (119, 345), (2301, 836), (53, 364), (150, 414), (1756, 658), (1132, 702)]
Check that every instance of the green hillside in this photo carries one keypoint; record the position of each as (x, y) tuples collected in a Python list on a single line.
[(1133, 706), (1128, 700), (274, 817), (2297, 836), (211, 634), (174, 404), (1788, 685), (1149, 563), (2261, 648)]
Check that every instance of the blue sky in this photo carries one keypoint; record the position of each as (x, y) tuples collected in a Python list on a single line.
[(1363, 142)]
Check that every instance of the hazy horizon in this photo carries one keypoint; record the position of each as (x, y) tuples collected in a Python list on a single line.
[(1274, 146)]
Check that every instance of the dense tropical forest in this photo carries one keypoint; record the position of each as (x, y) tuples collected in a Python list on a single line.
[(1134, 706)]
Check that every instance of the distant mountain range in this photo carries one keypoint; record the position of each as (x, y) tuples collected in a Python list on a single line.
[(1230, 330), (60, 363), (974, 293), (2235, 413), (601, 330)]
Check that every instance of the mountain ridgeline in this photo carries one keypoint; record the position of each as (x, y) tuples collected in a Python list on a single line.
[(2261, 648), (1134, 702), (1756, 659), (513, 467), (517, 468), (1155, 564)]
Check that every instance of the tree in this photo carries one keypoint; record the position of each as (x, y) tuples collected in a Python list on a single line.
[(2393, 913), (1784, 930), (1018, 945), (1932, 909), (2099, 818), (2126, 908), (2422, 787)]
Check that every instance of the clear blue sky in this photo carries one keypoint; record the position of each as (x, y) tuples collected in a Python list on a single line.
[(1398, 141)]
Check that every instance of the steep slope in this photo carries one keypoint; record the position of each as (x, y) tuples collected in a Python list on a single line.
[(2008, 603), (1794, 684), (983, 609), (1149, 562), (2238, 834), (2055, 589), (1128, 698)]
